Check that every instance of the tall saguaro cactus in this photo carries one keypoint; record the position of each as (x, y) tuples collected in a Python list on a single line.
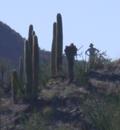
[(53, 53), (59, 42), (35, 65), (31, 64), (57, 47), (28, 70)]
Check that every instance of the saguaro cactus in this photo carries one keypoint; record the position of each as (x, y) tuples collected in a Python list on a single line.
[(57, 47), (31, 64), (15, 86), (53, 53), (28, 70), (35, 66), (30, 34), (59, 42)]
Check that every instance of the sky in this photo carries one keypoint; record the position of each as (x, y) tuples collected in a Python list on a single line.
[(84, 21)]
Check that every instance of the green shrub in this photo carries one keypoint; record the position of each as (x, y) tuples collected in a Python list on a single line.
[(47, 113), (36, 122), (104, 114), (81, 73)]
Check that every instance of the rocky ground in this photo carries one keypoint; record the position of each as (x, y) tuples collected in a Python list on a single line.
[(63, 103)]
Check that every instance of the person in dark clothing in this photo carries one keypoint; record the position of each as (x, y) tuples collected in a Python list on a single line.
[(70, 52)]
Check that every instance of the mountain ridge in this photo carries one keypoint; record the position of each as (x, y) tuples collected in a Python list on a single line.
[(12, 44)]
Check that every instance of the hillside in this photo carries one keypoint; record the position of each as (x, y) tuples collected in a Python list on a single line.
[(63, 106), (11, 45), (39, 100)]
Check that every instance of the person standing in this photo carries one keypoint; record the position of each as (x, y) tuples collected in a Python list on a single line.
[(70, 52), (92, 53)]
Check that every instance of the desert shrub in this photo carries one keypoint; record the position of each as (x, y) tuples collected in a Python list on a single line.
[(36, 122), (81, 73), (104, 114), (44, 74), (101, 60), (48, 113)]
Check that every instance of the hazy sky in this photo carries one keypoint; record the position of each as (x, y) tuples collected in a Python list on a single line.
[(84, 21)]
